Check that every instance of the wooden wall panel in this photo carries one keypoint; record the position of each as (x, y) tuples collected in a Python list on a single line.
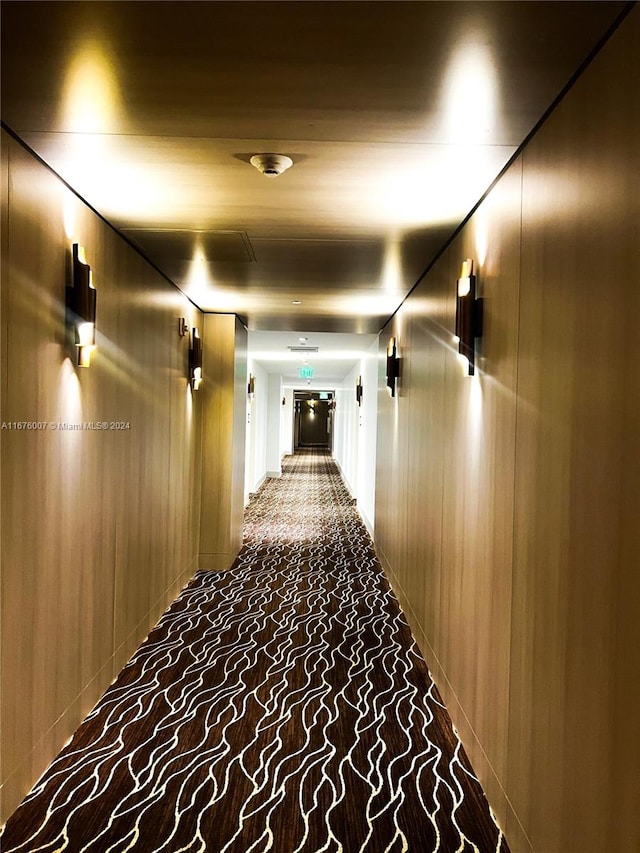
[(224, 400), (240, 379), (99, 528), (456, 575), (519, 572), (578, 251)]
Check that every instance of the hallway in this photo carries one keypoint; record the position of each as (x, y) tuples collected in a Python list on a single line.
[(279, 706)]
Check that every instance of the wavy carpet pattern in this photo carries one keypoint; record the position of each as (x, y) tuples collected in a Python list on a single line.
[(280, 706)]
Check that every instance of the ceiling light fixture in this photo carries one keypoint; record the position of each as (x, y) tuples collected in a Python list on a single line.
[(271, 165), (296, 301)]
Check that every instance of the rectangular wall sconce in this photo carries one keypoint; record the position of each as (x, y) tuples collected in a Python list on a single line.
[(468, 315), (251, 386), (393, 366), (195, 360), (81, 306), (359, 390)]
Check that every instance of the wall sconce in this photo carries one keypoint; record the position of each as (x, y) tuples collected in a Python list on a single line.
[(468, 315), (251, 386), (393, 366), (195, 360), (81, 306), (359, 390)]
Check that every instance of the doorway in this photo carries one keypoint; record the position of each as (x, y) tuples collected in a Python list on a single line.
[(313, 419)]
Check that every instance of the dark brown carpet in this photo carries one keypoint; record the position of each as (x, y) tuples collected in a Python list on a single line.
[(281, 706)]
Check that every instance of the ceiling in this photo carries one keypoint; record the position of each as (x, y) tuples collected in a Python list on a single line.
[(330, 355), (397, 116)]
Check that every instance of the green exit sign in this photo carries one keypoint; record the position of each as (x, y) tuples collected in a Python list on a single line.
[(306, 373)]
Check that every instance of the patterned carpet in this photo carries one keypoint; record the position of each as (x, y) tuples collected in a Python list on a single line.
[(281, 706)]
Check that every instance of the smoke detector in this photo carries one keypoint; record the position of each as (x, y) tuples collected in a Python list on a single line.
[(271, 165)]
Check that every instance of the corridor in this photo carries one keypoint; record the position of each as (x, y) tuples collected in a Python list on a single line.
[(281, 705)]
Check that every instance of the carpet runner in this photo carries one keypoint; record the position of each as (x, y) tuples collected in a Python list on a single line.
[(280, 706)]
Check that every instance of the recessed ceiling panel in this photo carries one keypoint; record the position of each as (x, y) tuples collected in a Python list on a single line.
[(162, 244)]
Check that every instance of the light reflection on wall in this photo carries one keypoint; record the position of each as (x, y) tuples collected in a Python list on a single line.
[(475, 420), (68, 417), (189, 409), (69, 215), (481, 222)]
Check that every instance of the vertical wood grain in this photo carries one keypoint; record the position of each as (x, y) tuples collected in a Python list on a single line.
[(99, 527), (520, 569), (223, 398), (579, 251)]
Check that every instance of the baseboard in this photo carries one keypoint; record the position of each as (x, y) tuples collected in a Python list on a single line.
[(215, 562), (273, 474), (254, 491), (259, 484), (365, 520), (346, 482)]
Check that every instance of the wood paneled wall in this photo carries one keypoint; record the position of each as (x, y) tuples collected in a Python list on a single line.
[(507, 503), (224, 400), (99, 527)]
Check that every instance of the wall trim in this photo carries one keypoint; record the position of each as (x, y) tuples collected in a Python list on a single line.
[(365, 520), (216, 562), (344, 477)]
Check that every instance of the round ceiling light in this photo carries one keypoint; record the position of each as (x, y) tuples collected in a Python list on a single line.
[(271, 165)]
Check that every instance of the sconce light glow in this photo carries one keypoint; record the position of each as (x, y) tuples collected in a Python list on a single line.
[(195, 360), (468, 316), (92, 101), (86, 343), (81, 306), (464, 362), (69, 214)]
